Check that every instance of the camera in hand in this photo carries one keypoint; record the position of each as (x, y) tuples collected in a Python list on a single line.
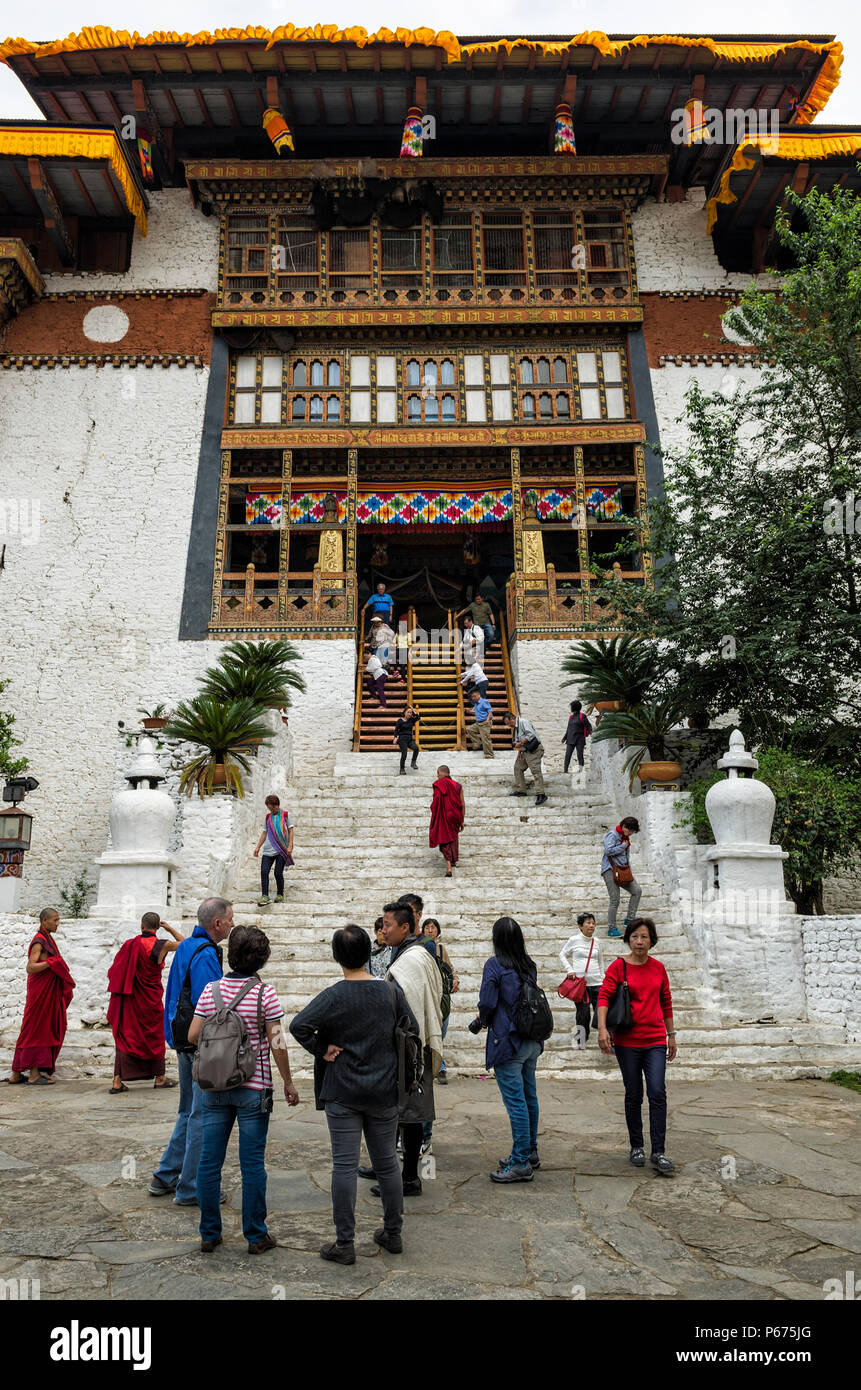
[(474, 1026)]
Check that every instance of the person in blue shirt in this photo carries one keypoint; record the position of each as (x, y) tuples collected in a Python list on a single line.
[(479, 732), (617, 855), (199, 957), (381, 603)]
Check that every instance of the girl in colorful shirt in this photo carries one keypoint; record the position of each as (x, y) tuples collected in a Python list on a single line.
[(277, 837)]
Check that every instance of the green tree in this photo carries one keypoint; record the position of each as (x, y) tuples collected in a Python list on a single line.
[(757, 596), (10, 766), (817, 820)]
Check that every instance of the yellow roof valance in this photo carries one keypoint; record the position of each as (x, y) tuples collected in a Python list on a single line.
[(742, 51), (808, 145), (76, 142)]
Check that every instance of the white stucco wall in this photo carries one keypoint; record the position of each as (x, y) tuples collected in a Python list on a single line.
[(536, 667), (179, 252), (673, 251)]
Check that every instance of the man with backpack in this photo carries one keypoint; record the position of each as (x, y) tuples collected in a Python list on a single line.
[(197, 960), (236, 1021), (575, 735)]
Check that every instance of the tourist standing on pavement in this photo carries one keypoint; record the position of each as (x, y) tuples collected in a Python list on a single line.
[(197, 960), (430, 938), (381, 954), (350, 1031), (421, 982), (478, 734), (276, 840), (511, 1057), (582, 956), (448, 814), (644, 1048), (250, 1105), (405, 738), (380, 603), (616, 871), (575, 735), (530, 751), (49, 992), (136, 1010)]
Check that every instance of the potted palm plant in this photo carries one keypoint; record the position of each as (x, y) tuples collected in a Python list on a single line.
[(614, 674), (645, 727), (230, 681), (154, 718), (277, 658), (225, 728)]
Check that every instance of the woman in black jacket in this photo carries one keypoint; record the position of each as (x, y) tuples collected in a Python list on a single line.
[(350, 1031)]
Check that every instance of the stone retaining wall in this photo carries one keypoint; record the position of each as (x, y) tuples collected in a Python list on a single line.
[(832, 970)]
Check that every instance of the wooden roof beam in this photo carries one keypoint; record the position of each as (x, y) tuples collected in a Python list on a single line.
[(46, 199), (84, 192), (114, 194), (527, 102), (321, 105), (88, 108), (234, 114), (204, 109), (58, 107), (177, 118), (146, 116), (738, 207), (25, 187), (497, 98)]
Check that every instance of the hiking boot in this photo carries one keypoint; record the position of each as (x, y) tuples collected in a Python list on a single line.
[(263, 900), (614, 932), (279, 897), (157, 1188), (513, 1172), (638, 1158), (518, 793), (366, 1173), (339, 1254), (663, 1164), (540, 800), (389, 1241), (207, 1246), (534, 1162), (261, 1246)]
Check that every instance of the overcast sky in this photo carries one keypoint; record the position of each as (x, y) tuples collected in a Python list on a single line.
[(52, 19)]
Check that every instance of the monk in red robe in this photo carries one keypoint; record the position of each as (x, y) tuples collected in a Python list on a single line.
[(136, 1010), (447, 817), (49, 991)]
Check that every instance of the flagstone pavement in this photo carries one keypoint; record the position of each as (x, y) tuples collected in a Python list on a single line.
[(766, 1203)]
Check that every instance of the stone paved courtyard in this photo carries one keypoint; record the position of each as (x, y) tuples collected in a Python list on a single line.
[(766, 1204)]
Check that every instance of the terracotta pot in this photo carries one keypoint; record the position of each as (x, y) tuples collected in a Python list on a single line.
[(219, 778), (659, 771), (608, 706), (153, 723)]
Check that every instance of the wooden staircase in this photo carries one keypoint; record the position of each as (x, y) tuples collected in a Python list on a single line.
[(433, 687)]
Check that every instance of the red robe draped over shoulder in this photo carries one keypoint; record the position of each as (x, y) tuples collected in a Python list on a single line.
[(446, 820), (43, 1027), (136, 1010)]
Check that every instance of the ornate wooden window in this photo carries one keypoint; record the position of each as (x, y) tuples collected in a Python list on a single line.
[(350, 265), (555, 240), (601, 385), (607, 267), (504, 255), (267, 388), (247, 266), (431, 393), (401, 264), (453, 257), (297, 261), (543, 375)]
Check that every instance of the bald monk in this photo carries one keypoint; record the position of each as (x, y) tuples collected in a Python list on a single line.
[(136, 1010), (49, 991), (447, 817)]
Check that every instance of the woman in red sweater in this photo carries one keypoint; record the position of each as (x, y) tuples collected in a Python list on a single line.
[(645, 1048)]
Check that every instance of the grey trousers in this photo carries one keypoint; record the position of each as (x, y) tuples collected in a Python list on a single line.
[(633, 888), (346, 1127)]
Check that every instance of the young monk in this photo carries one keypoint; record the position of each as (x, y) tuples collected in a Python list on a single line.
[(49, 991), (448, 813), (136, 1010)]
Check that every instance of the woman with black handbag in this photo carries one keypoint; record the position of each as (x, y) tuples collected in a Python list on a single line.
[(636, 1007)]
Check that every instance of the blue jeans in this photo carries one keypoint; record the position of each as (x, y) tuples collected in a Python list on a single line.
[(178, 1167), (220, 1109), (427, 1127), (516, 1082), (489, 634), (634, 1064)]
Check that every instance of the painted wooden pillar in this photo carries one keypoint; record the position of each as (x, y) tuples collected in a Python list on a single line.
[(284, 539), (352, 505), (517, 530), (220, 537), (582, 517)]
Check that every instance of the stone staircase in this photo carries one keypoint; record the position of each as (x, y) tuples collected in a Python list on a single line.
[(361, 841)]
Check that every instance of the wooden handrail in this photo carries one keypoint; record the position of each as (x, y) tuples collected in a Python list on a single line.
[(360, 685), (411, 627), (510, 692), (461, 716)]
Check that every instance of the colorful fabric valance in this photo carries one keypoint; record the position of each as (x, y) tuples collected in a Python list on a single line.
[(306, 508), (553, 503), (263, 509), (424, 507), (605, 503)]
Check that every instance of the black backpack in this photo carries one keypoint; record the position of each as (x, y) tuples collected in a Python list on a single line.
[(533, 1019), (447, 981), (410, 1054), (181, 1021)]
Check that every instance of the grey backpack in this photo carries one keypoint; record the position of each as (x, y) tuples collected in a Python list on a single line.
[(226, 1057)]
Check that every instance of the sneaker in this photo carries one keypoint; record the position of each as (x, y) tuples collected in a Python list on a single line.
[(534, 1161), (279, 897), (638, 1158), (614, 931), (366, 1173), (389, 1241), (339, 1254), (411, 1189), (402, 772), (427, 1145), (207, 1246), (513, 1172), (157, 1188), (442, 1079), (519, 793), (261, 1246), (663, 1164), (540, 800), (263, 900)]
